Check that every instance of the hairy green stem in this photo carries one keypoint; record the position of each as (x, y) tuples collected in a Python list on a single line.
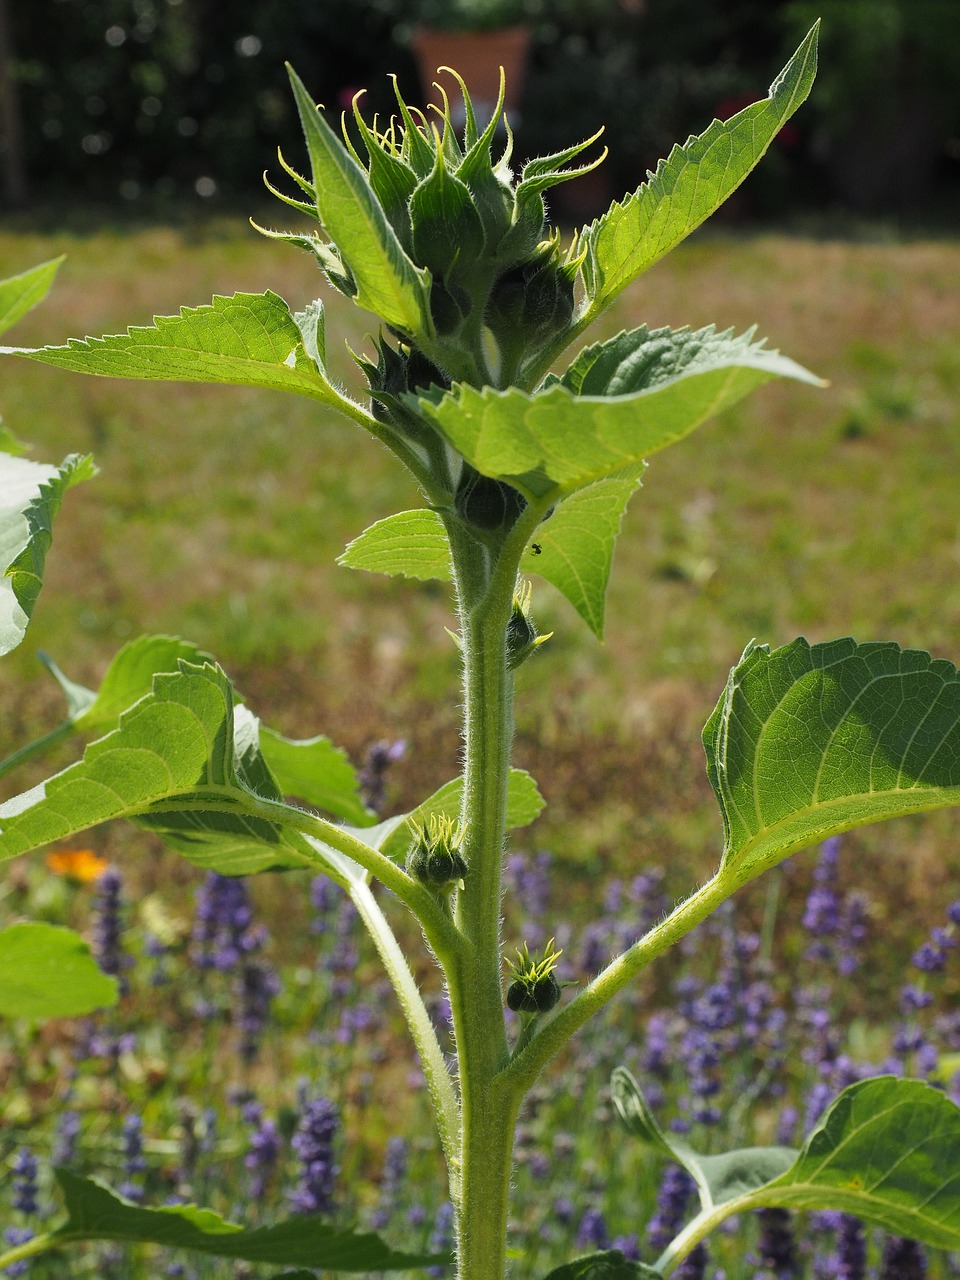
[(485, 583), (20, 1252), (439, 1083)]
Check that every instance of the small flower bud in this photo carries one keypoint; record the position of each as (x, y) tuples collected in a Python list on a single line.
[(434, 857), (534, 987), (522, 637)]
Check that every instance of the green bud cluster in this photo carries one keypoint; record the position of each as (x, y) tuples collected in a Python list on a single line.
[(533, 986), (496, 268), (434, 856)]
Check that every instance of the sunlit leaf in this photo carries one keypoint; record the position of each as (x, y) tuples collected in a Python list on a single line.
[(249, 339), (574, 548), (20, 293), (47, 971), (692, 182), (811, 740), (645, 390), (96, 1213), (30, 497), (411, 543), (885, 1152), (387, 282), (184, 762)]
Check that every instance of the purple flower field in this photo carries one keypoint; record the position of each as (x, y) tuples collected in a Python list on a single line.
[(266, 1078)]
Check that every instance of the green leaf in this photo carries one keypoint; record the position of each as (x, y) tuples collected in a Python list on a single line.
[(524, 804), (184, 762), (411, 543), (808, 741), (47, 971), (128, 678), (316, 771), (249, 339), (30, 497), (610, 1264), (719, 1178), (97, 1213), (574, 548), (388, 283), (642, 391), (19, 294), (688, 186), (886, 1152)]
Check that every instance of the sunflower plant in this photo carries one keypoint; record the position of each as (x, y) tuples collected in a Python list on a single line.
[(526, 457)]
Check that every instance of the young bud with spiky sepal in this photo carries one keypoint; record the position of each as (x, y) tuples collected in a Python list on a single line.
[(522, 637), (534, 988), (434, 856)]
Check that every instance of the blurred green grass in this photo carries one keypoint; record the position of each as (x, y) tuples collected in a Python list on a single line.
[(219, 513)]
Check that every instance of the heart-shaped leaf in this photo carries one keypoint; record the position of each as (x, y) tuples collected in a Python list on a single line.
[(249, 339), (47, 971), (811, 740), (97, 1213), (19, 294), (30, 497), (574, 431), (689, 185)]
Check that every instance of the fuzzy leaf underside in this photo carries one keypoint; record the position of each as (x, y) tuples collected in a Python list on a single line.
[(811, 740), (689, 185), (388, 283), (30, 497), (555, 441), (412, 544), (248, 339), (575, 546), (47, 971), (184, 762), (97, 1213), (21, 293)]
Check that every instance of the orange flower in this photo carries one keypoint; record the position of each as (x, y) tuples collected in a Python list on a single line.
[(82, 865)]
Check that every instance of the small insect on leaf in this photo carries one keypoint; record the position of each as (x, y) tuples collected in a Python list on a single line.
[(536, 548)]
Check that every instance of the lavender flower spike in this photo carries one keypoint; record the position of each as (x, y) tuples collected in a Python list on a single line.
[(314, 1144)]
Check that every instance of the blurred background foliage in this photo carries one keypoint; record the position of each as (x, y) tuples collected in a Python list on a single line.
[(144, 102)]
